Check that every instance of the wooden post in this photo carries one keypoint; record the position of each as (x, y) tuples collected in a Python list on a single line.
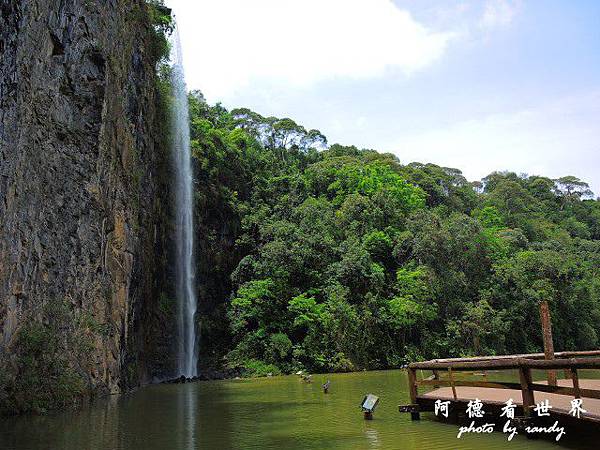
[(412, 389), (547, 334), (575, 379), (526, 391), (451, 378)]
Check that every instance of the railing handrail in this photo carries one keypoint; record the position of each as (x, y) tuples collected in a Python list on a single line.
[(564, 360), (569, 361)]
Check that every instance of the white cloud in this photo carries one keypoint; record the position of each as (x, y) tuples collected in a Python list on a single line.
[(231, 44), (555, 139), (499, 13)]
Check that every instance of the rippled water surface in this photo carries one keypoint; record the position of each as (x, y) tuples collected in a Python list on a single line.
[(268, 413)]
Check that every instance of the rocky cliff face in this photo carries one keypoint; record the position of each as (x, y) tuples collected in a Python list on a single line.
[(82, 191)]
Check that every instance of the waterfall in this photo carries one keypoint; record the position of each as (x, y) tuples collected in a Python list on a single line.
[(187, 356)]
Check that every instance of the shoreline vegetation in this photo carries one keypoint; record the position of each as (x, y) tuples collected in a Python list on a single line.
[(237, 374)]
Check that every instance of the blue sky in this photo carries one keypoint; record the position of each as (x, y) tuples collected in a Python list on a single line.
[(477, 85)]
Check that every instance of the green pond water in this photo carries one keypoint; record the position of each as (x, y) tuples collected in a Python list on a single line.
[(268, 413)]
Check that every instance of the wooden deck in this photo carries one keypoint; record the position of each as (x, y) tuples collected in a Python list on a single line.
[(445, 384), (561, 404)]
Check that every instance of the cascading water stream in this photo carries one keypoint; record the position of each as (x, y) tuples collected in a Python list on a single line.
[(187, 357)]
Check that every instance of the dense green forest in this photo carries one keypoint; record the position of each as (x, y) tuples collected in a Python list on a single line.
[(339, 258)]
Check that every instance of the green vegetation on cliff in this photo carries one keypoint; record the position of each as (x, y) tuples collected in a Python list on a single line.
[(336, 258), (45, 377), (162, 21)]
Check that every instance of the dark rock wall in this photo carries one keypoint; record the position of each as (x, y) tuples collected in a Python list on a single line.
[(83, 192)]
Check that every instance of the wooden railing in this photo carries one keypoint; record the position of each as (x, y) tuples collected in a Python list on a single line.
[(570, 362)]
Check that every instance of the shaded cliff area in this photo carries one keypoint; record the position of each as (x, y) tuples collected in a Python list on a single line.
[(83, 202)]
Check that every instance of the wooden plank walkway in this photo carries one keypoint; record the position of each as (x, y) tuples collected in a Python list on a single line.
[(561, 404)]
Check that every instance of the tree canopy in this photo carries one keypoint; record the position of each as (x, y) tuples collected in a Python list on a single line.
[(340, 258)]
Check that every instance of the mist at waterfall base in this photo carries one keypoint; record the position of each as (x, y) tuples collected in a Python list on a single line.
[(187, 348)]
